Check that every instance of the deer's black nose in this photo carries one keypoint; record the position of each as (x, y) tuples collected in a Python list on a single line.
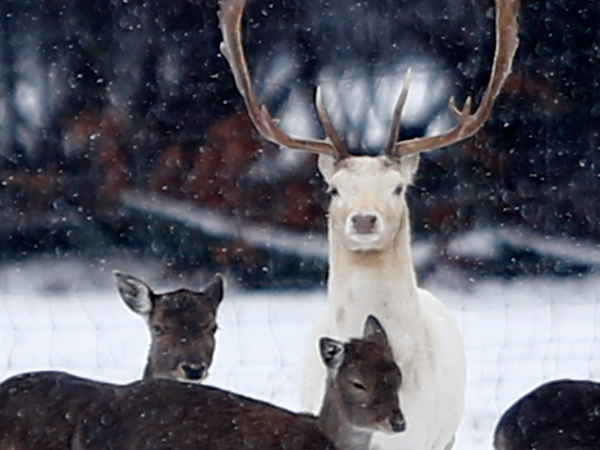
[(398, 424), (194, 371)]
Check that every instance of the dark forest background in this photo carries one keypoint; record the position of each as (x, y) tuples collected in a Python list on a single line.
[(104, 98)]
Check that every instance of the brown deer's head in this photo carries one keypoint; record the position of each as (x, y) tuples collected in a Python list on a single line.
[(363, 380), (182, 326), (368, 205)]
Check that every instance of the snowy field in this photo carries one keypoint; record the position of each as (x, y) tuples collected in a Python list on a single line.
[(67, 315)]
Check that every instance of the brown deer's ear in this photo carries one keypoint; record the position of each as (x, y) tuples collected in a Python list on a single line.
[(214, 290), (373, 329), (135, 293), (332, 352)]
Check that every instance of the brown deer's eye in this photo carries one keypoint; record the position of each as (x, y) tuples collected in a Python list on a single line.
[(213, 329), (158, 330), (358, 385)]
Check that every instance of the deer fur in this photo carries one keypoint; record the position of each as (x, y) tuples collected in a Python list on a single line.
[(371, 272), (559, 415), (40, 410)]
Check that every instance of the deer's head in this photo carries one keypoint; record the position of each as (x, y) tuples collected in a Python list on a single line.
[(182, 326), (368, 200), (363, 380)]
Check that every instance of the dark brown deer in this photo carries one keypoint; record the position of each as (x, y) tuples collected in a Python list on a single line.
[(360, 397), (182, 326), (40, 410), (559, 415)]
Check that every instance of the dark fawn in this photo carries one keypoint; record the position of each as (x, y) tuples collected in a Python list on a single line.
[(39, 410), (361, 397), (559, 415)]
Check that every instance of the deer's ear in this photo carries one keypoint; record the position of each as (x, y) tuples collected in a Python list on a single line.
[(326, 165), (374, 330), (135, 293), (409, 165), (332, 352), (214, 290)]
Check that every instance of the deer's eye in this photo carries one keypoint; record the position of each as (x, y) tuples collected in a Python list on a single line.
[(333, 192), (358, 385), (399, 189), (158, 330), (213, 329)]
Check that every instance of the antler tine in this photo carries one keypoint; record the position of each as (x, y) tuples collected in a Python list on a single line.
[(335, 139), (230, 19), (507, 41), (397, 115)]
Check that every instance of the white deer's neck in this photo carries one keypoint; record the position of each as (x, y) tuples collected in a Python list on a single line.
[(379, 282), (336, 427)]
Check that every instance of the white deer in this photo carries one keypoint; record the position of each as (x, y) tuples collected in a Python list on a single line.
[(370, 265)]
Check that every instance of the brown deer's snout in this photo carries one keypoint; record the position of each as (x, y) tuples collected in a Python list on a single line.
[(397, 422), (364, 223), (194, 372)]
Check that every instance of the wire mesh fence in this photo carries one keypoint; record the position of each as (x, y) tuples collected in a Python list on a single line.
[(517, 334)]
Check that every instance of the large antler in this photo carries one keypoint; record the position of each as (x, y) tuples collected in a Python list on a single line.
[(230, 18), (507, 41)]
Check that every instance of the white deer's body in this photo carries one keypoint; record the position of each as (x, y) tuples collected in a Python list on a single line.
[(370, 266), (372, 273), (425, 340)]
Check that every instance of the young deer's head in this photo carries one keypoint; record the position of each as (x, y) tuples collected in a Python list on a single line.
[(182, 326), (368, 204), (362, 384)]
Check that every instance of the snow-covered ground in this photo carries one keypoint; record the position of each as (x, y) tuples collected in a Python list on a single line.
[(67, 315)]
